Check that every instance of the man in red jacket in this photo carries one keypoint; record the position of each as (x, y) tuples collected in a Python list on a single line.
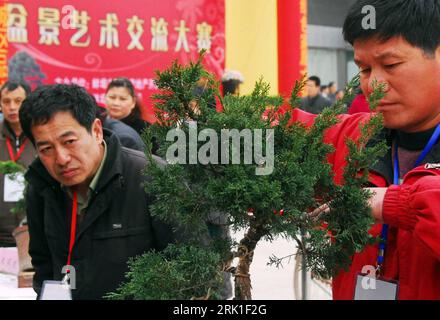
[(403, 52)]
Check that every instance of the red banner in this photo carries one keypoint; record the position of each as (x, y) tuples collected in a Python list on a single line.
[(292, 43), (3, 42), (91, 42)]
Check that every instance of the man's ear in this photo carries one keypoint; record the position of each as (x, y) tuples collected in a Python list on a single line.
[(437, 54), (97, 130)]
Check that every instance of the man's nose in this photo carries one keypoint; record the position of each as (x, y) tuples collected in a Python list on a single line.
[(62, 156), (15, 106), (376, 79)]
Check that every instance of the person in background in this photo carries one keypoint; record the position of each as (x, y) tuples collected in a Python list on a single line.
[(199, 90), (231, 81), (14, 146), (339, 95), (128, 137), (324, 91), (122, 104), (332, 90), (314, 102)]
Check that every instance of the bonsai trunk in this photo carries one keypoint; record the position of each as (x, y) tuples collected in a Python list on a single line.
[(246, 255)]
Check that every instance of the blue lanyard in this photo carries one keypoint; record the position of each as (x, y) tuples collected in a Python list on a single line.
[(426, 150)]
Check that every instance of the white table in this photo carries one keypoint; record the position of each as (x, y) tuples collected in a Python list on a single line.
[(9, 289)]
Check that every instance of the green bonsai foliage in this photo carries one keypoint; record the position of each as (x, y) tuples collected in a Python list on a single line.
[(264, 205), (178, 272)]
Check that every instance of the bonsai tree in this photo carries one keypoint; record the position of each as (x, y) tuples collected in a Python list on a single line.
[(266, 194), (23, 66)]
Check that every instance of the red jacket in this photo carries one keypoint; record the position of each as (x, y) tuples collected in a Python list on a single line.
[(359, 104), (412, 211)]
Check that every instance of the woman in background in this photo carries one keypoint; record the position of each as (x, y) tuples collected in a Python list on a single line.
[(123, 105), (231, 81)]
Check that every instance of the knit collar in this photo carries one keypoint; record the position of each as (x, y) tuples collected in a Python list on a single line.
[(415, 140)]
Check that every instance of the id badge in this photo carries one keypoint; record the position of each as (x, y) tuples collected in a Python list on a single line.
[(372, 288), (13, 187), (55, 290)]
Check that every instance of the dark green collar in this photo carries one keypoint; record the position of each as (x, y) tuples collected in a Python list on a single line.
[(384, 164), (415, 140)]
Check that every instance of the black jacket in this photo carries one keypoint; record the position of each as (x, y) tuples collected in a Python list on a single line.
[(116, 226), (134, 120), (128, 137), (314, 105)]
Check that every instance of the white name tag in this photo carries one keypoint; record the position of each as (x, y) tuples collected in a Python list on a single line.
[(371, 288), (13, 188), (55, 290)]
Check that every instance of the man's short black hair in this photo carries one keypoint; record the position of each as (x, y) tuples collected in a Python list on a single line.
[(229, 86), (14, 84), (42, 104), (316, 80), (417, 21)]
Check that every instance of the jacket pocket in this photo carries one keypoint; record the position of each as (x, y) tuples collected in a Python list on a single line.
[(115, 247), (119, 233)]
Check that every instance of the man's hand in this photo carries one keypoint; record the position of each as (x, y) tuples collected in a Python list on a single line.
[(375, 202)]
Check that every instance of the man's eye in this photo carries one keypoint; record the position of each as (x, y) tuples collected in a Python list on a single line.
[(392, 65), (45, 150), (69, 141), (365, 70)]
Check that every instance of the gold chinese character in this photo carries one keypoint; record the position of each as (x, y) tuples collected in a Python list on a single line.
[(3, 64), (3, 40), (109, 34), (3, 72), (159, 33), (80, 22), (17, 20), (135, 24), (204, 36), (49, 21), (182, 40), (3, 17)]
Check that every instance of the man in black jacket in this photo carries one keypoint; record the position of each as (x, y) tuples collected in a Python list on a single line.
[(314, 102), (86, 206)]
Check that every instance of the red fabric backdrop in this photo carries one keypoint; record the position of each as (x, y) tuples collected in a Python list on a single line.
[(91, 42)]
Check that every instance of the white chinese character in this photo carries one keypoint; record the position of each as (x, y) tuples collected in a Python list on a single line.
[(109, 34)]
